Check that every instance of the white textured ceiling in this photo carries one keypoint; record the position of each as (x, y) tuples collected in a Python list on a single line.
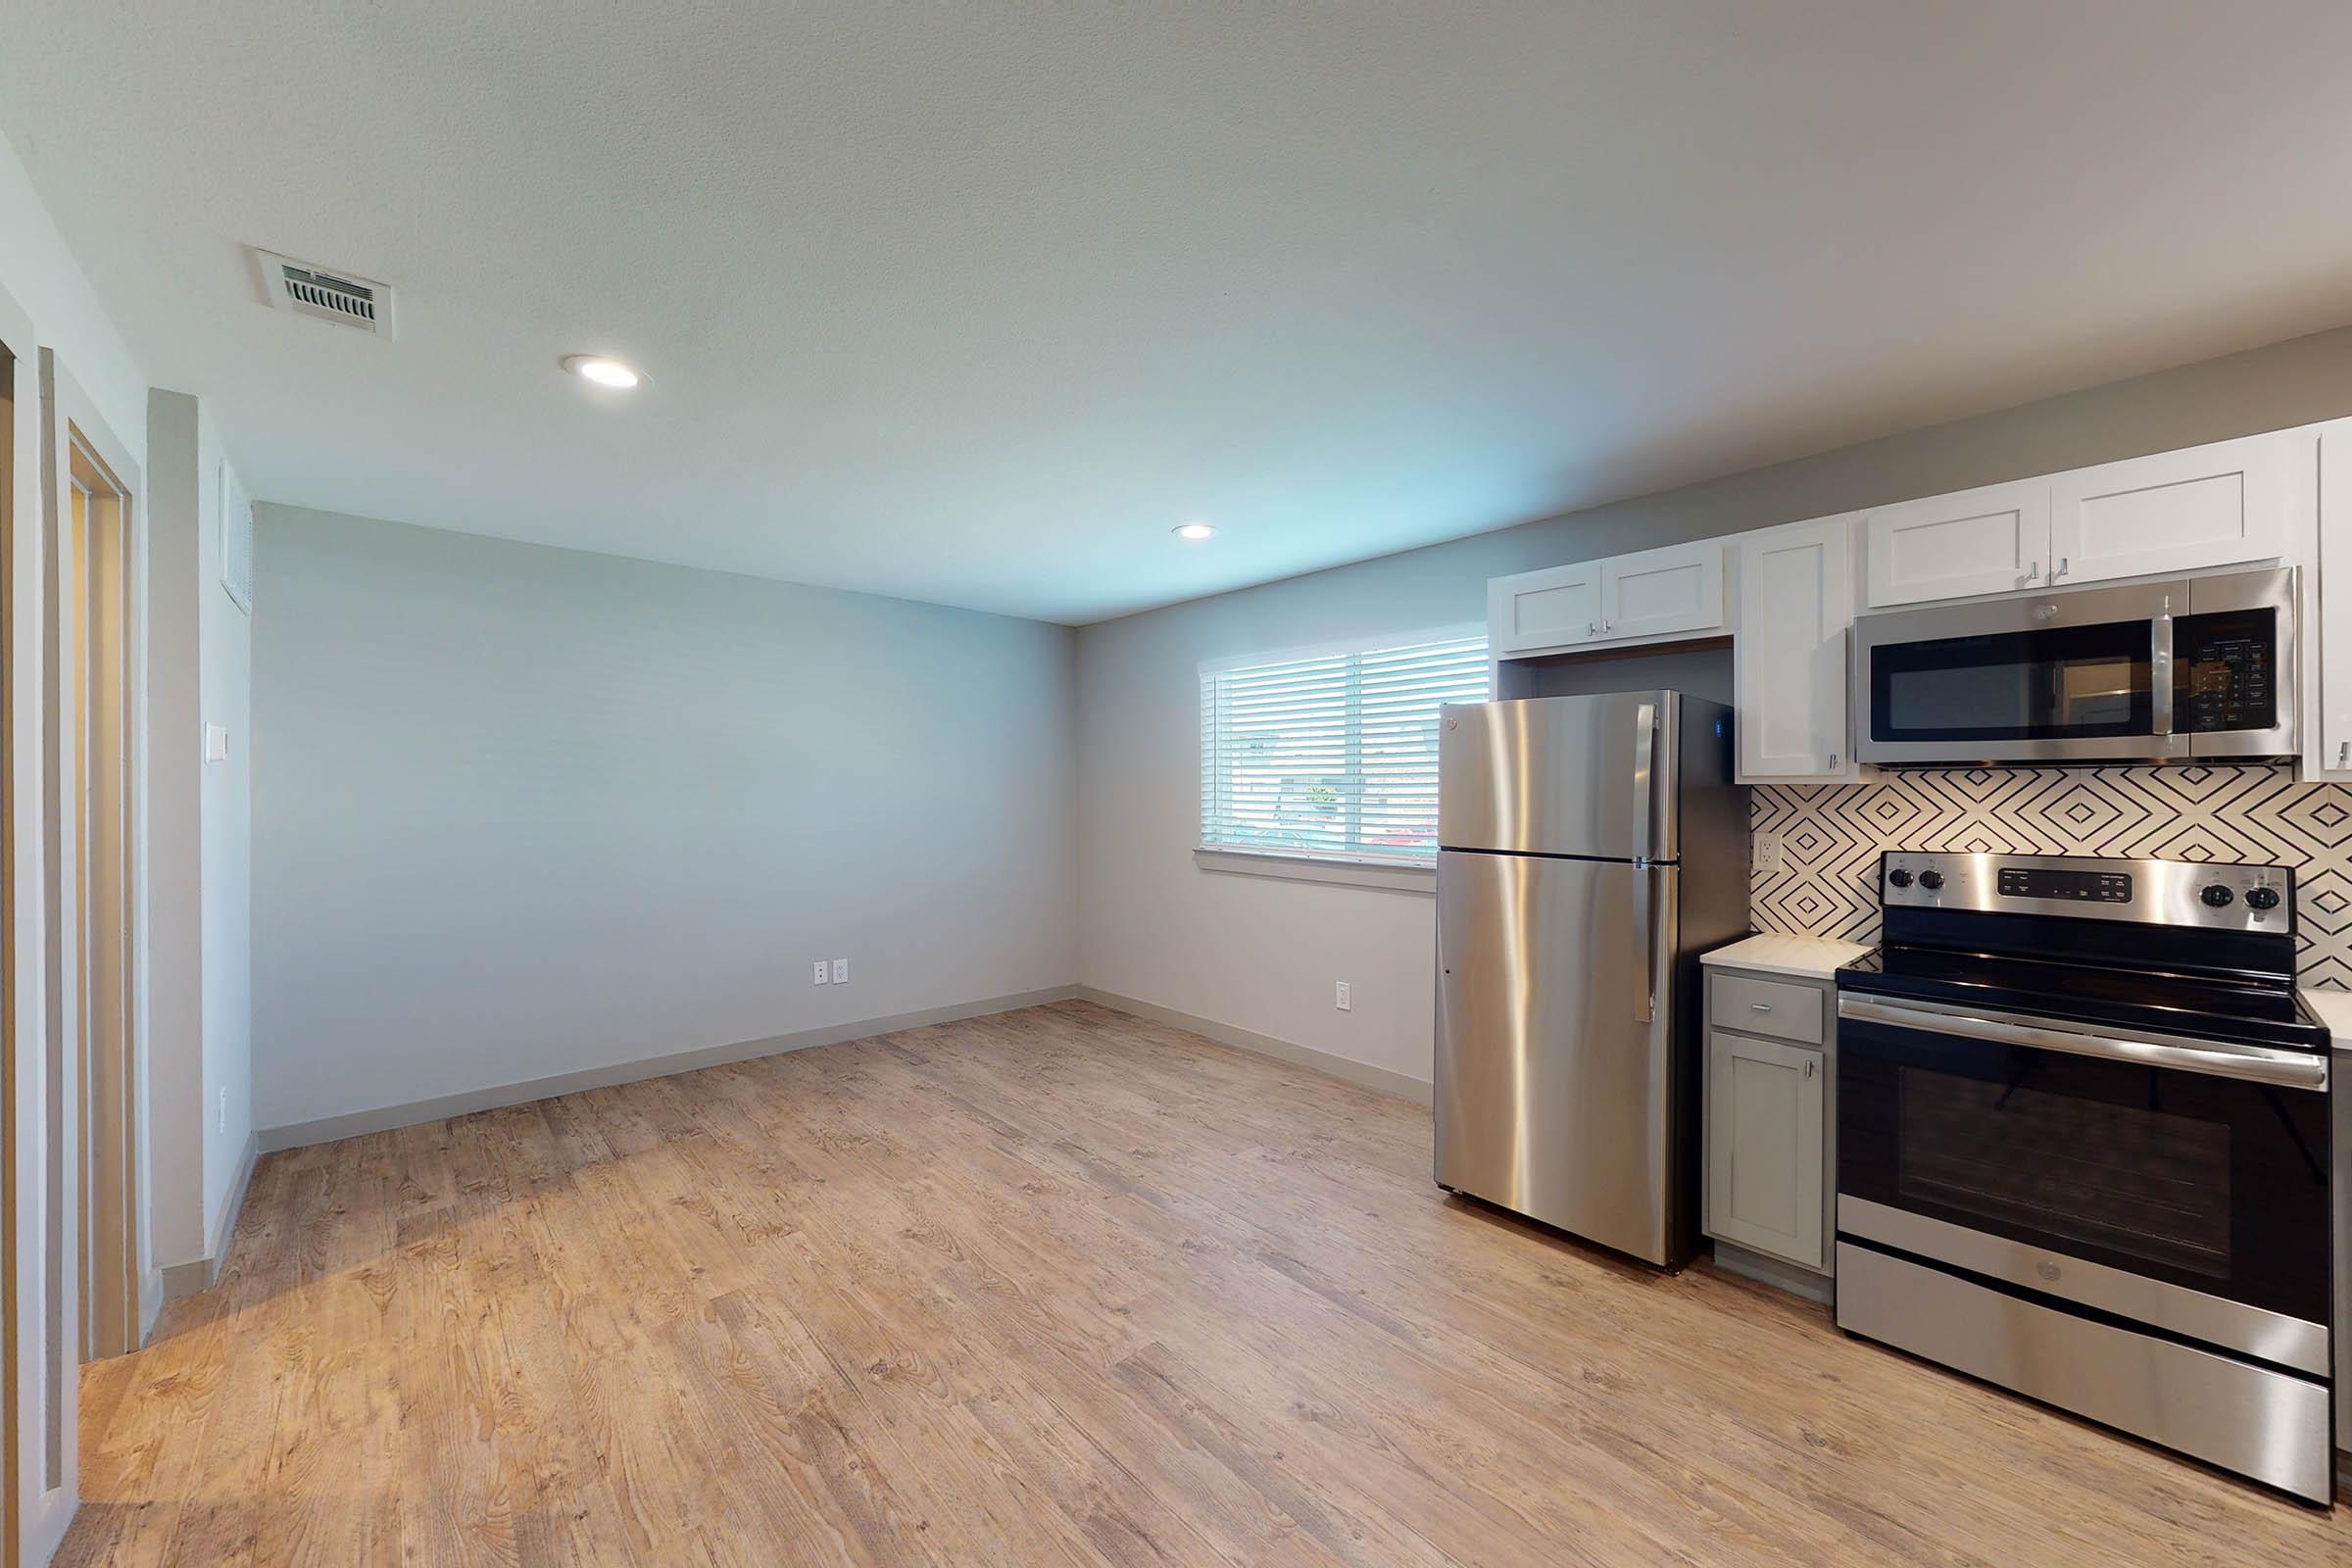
[(973, 303)]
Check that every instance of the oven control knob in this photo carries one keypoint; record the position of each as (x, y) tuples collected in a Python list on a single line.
[(1899, 878), (1931, 880), (2262, 897), (2217, 897)]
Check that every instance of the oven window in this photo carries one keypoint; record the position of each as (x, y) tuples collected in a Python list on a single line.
[(2073, 681), (2216, 1185), (2130, 1180)]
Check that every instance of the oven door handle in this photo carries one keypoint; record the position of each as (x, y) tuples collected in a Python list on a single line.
[(2288, 1069)]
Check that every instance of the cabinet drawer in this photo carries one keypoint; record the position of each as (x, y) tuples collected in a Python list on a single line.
[(1760, 1006)]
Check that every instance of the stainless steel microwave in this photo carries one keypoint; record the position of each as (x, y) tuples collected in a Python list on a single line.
[(2161, 671)]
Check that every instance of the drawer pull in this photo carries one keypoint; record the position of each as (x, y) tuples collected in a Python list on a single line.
[(1759, 1006)]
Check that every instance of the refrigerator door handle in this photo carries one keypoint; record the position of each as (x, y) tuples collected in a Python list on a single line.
[(1646, 746), (1646, 974)]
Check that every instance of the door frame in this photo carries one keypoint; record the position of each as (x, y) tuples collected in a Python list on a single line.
[(19, 501), (101, 626)]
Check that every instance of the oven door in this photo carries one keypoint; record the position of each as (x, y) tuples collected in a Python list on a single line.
[(2179, 1184), (2064, 677)]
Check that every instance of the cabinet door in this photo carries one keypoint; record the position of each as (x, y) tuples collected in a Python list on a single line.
[(1548, 609), (1987, 541), (1764, 1149), (1788, 657), (2212, 506), (2327, 643), (1679, 588)]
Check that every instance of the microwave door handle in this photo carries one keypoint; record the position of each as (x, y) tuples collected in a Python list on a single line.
[(2160, 670)]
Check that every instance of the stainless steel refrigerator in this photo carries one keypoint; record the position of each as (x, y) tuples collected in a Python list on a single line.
[(1590, 848)]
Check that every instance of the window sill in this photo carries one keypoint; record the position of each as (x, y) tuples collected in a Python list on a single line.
[(1385, 875)]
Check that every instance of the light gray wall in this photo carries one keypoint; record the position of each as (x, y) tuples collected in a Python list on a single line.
[(199, 855), (172, 849), (522, 812), (226, 697), (1261, 954)]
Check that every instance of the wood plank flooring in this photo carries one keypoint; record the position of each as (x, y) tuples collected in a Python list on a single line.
[(1056, 1287)]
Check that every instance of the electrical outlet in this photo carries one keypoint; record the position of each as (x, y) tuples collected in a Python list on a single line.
[(1767, 847), (1339, 996), (841, 972), (225, 1110), (824, 971)]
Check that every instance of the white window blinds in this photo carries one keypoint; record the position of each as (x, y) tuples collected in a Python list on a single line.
[(1332, 754)]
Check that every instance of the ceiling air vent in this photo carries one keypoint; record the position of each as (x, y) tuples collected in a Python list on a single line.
[(330, 296)]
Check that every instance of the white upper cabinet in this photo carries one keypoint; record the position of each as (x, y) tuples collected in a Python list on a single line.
[(1659, 592), (1789, 663), (2212, 506), (1549, 609), (1991, 540), (1654, 594)]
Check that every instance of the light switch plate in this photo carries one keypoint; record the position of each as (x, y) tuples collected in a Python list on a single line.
[(216, 743)]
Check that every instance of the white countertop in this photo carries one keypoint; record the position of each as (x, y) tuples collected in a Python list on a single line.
[(1819, 958), (2335, 1008)]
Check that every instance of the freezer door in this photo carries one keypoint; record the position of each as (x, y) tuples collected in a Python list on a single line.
[(1556, 1085), (1560, 775)]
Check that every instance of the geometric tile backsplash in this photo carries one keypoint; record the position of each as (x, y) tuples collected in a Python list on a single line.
[(1830, 836)]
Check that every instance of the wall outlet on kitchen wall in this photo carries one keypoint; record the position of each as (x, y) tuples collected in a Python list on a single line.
[(1766, 848), (841, 972), (1339, 996)]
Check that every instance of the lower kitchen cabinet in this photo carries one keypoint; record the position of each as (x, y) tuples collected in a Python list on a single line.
[(1765, 1154)]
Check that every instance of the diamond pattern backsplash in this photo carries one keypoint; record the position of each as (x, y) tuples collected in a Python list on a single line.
[(1830, 836)]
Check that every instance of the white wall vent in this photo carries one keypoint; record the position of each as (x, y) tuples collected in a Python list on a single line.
[(236, 540), (330, 296)]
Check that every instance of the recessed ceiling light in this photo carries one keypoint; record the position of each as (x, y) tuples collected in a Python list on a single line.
[(602, 371), (1195, 531)]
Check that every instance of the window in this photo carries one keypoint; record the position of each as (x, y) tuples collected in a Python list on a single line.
[(1332, 754)]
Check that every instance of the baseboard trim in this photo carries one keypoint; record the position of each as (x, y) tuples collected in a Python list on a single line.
[(415, 1113), (1361, 1073), (1733, 1258), (203, 1273)]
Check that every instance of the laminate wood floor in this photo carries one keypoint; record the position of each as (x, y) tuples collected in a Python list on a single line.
[(1055, 1287)]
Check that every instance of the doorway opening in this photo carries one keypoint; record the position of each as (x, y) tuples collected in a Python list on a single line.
[(96, 561)]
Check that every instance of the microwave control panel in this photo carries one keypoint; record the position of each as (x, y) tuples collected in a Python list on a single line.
[(2223, 677)]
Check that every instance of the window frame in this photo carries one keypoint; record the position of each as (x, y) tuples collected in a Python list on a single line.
[(1353, 867)]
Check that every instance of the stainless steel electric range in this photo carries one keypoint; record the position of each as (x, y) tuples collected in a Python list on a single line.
[(2082, 1147)]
